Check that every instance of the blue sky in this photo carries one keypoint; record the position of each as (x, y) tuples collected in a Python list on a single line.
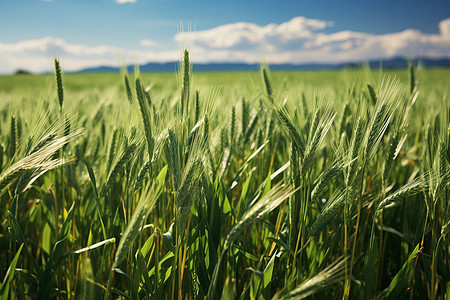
[(105, 32)]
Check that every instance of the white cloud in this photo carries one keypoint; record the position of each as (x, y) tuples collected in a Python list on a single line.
[(444, 27), (242, 34), (148, 43), (300, 40), (125, 1), (37, 55)]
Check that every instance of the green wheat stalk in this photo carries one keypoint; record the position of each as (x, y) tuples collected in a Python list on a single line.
[(59, 84)]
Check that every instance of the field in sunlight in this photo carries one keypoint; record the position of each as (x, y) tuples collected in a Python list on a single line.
[(259, 185)]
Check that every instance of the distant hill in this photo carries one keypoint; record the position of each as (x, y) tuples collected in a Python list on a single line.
[(394, 63)]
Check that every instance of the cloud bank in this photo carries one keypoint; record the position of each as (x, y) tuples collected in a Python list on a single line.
[(37, 55), (299, 40)]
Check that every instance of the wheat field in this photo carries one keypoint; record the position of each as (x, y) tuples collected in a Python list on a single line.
[(269, 185)]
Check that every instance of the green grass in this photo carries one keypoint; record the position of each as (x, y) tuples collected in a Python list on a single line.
[(225, 185)]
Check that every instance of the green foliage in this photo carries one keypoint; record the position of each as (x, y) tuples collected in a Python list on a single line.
[(263, 189)]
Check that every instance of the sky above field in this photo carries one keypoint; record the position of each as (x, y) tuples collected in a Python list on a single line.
[(88, 33)]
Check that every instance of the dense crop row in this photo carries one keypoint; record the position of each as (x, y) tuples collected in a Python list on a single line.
[(149, 189)]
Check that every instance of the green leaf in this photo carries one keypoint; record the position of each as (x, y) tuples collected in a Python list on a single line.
[(63, 235), (240, 207), (4, 290), (255, 283), (161, 178), (268, 271), (87, 276), (166, 260), (268, 185), (403, 277), (143, 273), (145, 250), (46, 238), (91, 177), (246, 254)]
